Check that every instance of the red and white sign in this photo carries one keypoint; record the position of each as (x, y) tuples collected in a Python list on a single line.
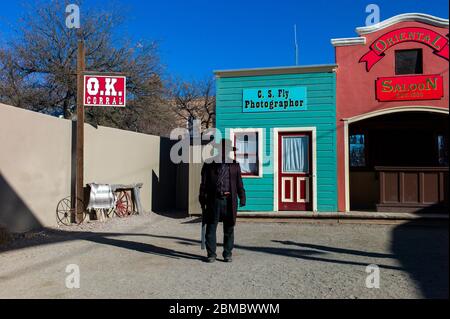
[(438, 42), (104, 90), (408, 88)]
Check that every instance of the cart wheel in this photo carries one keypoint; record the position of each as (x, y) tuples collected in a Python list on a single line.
[(123, 204), (64, 211)]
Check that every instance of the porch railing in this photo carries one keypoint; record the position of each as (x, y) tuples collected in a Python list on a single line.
[(413, 189)]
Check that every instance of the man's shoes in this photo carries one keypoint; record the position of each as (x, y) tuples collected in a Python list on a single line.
[(227, 259), (210, 259)]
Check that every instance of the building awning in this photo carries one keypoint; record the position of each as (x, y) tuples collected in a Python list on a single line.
[(319, 68)]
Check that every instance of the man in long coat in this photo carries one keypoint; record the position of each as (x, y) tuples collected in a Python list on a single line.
[(221, 186)]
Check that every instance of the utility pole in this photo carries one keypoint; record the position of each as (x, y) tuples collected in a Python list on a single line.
[(295, 44), (79, 190)]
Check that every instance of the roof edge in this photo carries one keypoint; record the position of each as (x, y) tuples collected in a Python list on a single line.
[(348, 41), (318, 68), (404, 17)]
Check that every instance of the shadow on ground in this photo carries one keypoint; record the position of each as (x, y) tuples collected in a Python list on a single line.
[(421, 249), (423, 253), (306, 254), (52, 236)]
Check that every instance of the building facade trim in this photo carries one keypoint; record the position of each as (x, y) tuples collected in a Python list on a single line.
[(405, 17), (320, 68), (348, 41)]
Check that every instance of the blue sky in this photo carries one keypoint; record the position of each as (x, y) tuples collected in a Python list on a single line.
[(199, 36)]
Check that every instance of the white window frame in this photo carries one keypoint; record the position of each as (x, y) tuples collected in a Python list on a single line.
[(260, 133)]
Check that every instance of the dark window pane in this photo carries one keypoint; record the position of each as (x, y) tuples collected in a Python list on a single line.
[(408, 62), (442, 150), (357, 150)]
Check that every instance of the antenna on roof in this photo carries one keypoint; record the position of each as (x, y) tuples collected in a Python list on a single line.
[(296, 44)]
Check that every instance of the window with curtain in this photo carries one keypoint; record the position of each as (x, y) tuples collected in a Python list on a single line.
[(247, 152), (295, 154)]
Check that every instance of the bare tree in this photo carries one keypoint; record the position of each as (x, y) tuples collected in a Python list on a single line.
[(38, 68), (194, 100)]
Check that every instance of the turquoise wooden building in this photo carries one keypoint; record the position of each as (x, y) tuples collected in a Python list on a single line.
[(283, 123)]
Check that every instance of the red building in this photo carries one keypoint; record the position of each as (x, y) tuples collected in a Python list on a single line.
[(392, 115)]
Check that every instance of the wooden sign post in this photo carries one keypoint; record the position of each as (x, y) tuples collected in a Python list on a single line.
[(93, 89), (79, 190)]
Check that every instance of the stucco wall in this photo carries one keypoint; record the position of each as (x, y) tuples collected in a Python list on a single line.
[(121, 157), (36, 164)]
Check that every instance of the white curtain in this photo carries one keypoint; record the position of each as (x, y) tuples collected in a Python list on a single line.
[(248, 166), (295, 154), (241, 144)]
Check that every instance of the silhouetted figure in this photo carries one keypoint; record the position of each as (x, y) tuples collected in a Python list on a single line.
[(221, 186)]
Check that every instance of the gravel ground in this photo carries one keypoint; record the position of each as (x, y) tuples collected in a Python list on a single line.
[(151, 256)]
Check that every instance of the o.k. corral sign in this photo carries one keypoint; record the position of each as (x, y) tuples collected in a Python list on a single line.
[(281, 99), (105, 90)]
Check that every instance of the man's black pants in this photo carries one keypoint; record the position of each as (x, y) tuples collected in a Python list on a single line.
[(220, 211)]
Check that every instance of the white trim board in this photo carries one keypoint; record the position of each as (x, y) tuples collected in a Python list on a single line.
[(348, 41), (348, 121), (277, 131)]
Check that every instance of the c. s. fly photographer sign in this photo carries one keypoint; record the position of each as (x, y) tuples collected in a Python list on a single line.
[(279, 99)]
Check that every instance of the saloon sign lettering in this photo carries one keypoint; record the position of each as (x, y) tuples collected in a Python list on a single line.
[(404, 88), (438, 42), (103, 90)]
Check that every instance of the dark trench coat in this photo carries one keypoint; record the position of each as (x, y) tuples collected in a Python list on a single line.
[(208, 192)]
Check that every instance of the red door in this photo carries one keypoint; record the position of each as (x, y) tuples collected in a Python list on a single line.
[(294, 167)]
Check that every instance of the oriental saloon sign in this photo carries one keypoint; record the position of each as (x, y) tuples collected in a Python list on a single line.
[(274, 99), (436, 41), (404, 88)]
